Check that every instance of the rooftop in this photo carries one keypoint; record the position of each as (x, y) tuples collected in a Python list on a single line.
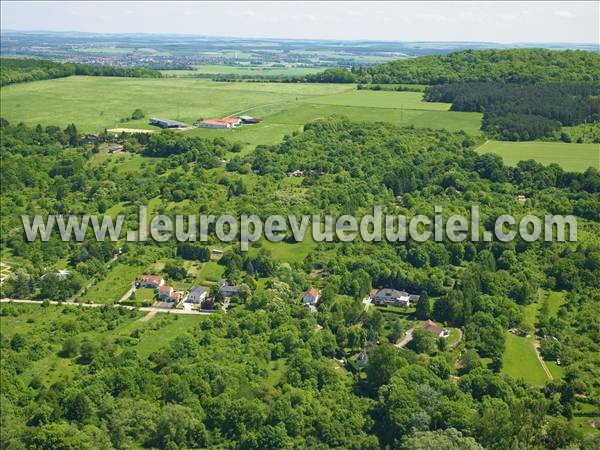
[(198, 290)]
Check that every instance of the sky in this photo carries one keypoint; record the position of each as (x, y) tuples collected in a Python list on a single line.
[(537, 21)]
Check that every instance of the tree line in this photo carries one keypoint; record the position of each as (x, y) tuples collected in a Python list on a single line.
[(19, 70), (526, 66), (520, 112)]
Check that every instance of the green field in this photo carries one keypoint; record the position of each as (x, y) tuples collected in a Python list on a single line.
[(520, 360), (573, 157), (246, 70), (151, 335), (113, 286), (95, 103), (379, 99)]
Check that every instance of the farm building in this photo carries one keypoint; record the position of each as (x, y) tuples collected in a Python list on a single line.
[(167, 123), (249, 119), (230, 122)]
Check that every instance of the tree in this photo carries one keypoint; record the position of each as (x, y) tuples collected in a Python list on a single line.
[(449, 439), (72, 135), (216, 293), (17, 342), (424, 308), (70, 347), (178, 425), (485, 334), (383, 361), (423, 341), (137, 114), (88, 351), (175, 271)]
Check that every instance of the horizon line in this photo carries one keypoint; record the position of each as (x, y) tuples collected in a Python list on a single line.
[(296, 39)]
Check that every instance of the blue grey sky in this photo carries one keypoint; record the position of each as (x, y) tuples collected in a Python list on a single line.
[(539, 21)]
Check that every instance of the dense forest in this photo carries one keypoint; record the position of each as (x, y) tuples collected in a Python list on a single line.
[(518, 112), (18, 70), (216, 386), (524, 66)]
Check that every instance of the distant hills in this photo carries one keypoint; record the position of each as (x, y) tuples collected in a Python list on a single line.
[(513, 66)]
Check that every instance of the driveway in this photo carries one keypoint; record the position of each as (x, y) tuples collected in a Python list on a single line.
[(408, 336)]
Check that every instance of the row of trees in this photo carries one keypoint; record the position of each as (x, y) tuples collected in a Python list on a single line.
[(19, 70)]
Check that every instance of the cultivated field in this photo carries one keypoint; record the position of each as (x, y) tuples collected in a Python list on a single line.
[(574, 157), (247, 70), (95, 103)]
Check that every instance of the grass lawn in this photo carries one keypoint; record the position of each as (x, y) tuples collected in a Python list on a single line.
[(421, 118), (572, 157), (379, 99), (161, 329), (556, 370), (520, 360), (287, 252), (211, 272), (145, 294), (114, 285), (555, 300)]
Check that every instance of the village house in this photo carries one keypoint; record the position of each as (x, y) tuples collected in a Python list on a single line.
[(363, 357), (228, 289), (311, 297), (393, 297), (115, 148), (176, 296), (438, 331), (165, 292), (151, 281), (197, 295)]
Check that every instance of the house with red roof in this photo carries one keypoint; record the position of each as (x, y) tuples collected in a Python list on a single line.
[(311, 297), (438, 331), (227, 122), (151, 281), (165, 292)]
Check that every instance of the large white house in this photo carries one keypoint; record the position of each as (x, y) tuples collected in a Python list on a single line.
[(197, 295), (393, 297)]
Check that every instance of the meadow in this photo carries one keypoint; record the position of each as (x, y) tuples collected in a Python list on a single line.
[(520, 360), (573, 157), (95, 103), (144, 337)]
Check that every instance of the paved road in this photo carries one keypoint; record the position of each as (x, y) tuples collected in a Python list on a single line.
[(98, 305), (408, 336)]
